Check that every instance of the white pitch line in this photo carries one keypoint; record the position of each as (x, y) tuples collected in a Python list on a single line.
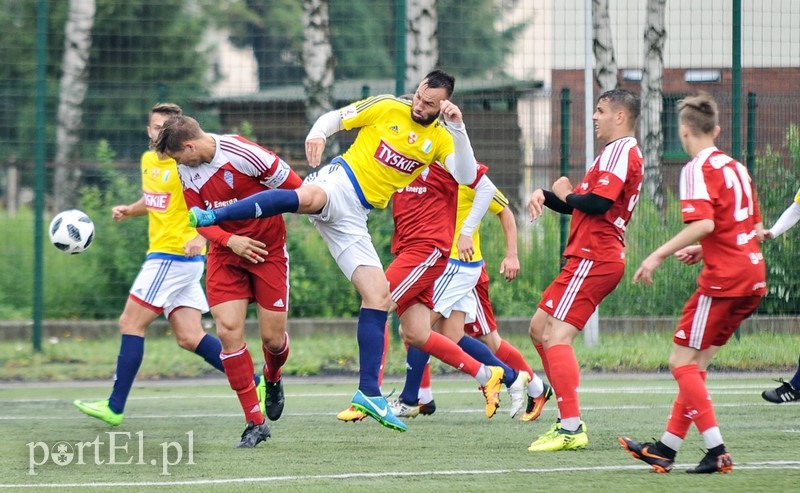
[(786, 465), (727, 390), (631, 407)]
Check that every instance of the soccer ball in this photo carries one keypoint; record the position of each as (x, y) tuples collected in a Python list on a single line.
[(71, 231)]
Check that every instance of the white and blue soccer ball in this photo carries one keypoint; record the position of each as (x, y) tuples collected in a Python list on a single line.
[(71, 231)]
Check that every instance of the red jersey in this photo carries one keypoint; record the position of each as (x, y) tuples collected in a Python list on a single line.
[(616, 174), (715, 186), (239, 169), (425, 210)]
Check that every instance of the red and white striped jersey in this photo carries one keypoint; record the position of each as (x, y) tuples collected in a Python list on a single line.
[(240, 168), (715, 186), (616, 174)]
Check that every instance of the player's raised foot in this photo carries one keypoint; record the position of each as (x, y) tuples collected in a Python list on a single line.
[(261, 391), (428, 408), (561, 439), (712, 463), (518, 392), (253, 435), (351, 414), (99, 410), (199, 217), (649, 453), (784, 393), (536, 404), (491, 391), (377, 408), (403, 410), (274, 400)]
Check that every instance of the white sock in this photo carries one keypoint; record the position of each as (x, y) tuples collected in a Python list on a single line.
[(425, 395), (712, 437), (536, 387)]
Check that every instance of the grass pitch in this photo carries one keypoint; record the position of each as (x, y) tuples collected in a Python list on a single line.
[(179, 436)]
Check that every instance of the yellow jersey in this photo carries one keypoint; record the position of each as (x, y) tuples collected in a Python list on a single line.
[(391, 149), (797, 197), (466, 195), (168, 229)]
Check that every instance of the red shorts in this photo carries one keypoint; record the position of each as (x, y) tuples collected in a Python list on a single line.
[(710, 321), (230, 277), (485, 322), (579, 288), (412, 274)]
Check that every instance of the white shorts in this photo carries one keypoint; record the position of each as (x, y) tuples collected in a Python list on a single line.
[(343, 221), (169, 281), (454, 289)]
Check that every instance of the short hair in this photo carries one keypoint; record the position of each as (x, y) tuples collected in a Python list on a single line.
[(625, 99), (439, 78), (175, 132), (699, 112), (167, 109)]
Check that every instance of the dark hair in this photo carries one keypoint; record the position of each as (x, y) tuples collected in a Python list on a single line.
[(167, 109), (623, 98), (699, 112), (439, 78), (175, 132)]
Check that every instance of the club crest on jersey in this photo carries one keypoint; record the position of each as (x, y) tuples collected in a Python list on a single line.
[(412, 137), (155, 172), (427, 145), (388, 156), (228, 177)]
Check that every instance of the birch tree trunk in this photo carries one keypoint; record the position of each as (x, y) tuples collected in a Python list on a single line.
[(72, 92), (653, 102), (422, 46), (318, 63), (605, 72)]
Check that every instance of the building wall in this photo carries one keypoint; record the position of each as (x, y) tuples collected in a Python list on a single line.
[(775, 90)]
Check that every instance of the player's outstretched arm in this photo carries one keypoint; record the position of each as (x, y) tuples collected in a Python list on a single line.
[(325, 126)]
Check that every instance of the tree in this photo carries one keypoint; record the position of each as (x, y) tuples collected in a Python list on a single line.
[(652, 101), (605, 72), (274, 31), (318, 61), (72, 91), (422, 49)]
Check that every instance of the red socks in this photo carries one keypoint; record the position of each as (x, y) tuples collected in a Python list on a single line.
[(694, 394), (449, 352), (239, 370), (564, 376), (274, 361), (511, 356)]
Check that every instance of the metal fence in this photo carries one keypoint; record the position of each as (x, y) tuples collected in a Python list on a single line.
[(239, 66)]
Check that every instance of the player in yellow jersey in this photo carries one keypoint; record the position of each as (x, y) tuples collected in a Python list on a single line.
[(397, 140), (169, 280)]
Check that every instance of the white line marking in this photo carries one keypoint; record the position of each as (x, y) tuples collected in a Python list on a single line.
[(786, 465)]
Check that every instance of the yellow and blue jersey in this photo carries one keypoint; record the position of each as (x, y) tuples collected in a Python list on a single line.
[(391, 149), (466, 195), (168, 228)]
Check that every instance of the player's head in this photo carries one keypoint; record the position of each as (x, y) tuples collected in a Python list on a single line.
[(616, 114), (434, 88), (699, 113), (179, 138), (698, 122), (160, 113)]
